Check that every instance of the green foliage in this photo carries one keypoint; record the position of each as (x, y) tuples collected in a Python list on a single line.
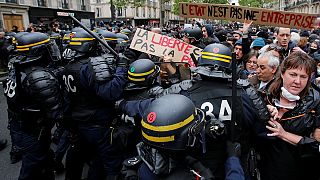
[(254, 3), (127, 3)]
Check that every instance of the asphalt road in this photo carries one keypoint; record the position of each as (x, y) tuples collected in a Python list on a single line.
[(8, 171)]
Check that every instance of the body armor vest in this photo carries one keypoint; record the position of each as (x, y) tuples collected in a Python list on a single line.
[(215, 99), (23, 96), (83, 102)]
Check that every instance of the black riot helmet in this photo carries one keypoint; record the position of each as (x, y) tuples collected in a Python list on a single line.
[(82, 42), (172, 122), (143, 72), (122, 42), (193, 33), (33, 46), (110, 37), (215, 58), (126, 31)]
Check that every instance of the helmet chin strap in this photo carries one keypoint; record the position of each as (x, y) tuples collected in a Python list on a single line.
[(290, 97)]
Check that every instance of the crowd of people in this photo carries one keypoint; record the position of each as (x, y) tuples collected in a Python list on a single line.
[(131, 115)]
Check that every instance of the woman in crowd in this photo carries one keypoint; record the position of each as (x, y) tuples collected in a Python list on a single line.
[(250, 60), (288, 150)]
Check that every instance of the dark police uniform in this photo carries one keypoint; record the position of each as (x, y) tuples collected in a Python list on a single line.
[(34, 103)]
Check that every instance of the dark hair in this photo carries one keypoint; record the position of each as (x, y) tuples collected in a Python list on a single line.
[(248, 56), (294, 60)]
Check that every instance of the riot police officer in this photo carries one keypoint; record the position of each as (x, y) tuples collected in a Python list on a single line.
[(93, 85), (213, 94), (34, 103)]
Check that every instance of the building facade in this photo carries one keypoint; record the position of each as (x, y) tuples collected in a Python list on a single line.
[(145, 13), (23, 12), (303, 6)]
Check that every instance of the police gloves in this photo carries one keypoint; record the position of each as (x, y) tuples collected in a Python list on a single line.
[(123, 61)]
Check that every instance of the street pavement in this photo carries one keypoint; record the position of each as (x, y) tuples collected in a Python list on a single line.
[(8, 171)]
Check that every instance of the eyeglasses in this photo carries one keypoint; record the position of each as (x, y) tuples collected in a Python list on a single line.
[(253, 62)]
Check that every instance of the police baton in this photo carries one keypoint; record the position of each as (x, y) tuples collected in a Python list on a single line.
[(234, 96), (95, 36)]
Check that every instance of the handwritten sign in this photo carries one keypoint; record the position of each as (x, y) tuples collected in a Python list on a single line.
[(240, 13), (160, 45)]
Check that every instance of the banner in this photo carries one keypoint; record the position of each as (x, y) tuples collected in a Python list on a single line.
[(160, 45), (240, 13)]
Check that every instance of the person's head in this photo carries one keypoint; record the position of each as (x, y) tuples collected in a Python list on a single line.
[(303, 42), (238, 49), (192, 35), (204, 32), (283, 36), (142, 73), (14, 28), (172, 123), (295, 37), (35, 47), (296, 71), (258, 43), (207, 31), (250, 60), (314, 46), (231, 40), (2, 35), (237, 35), (267, 66)]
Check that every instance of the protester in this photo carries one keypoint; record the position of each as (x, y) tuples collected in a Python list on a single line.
[(288, 151)]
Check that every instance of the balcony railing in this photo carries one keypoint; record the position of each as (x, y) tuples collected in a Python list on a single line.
[(302, 2)]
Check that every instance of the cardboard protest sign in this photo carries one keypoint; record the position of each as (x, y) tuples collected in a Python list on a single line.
[(240, 13), (160, 45)]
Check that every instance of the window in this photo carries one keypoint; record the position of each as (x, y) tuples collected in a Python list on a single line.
[(98, 1), (11, 1), (65, 4), (82, 6), (143, 12), (120, 11), (41, 3), (149, 12), (137, 11), (98, 12), (155, 12)]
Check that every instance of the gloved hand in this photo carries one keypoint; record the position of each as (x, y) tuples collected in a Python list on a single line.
[(233, 149), (123, 61)]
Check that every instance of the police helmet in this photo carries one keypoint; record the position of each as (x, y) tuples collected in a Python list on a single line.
[(126, 32), (216, 55), (143, 72), (110, 37), (33, 46), (215, 61), (172, 122), (193, 33), (82, 42)]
